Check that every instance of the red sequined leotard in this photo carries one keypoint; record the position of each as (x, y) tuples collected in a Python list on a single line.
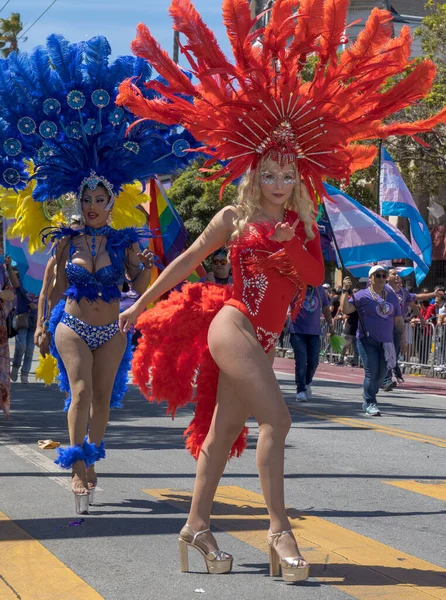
[(172, 361), (270, 276)]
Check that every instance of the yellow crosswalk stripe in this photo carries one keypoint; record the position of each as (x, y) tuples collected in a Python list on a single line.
[(433, 489), (357, 565), (6, 592), (402, 433), (30, 572)]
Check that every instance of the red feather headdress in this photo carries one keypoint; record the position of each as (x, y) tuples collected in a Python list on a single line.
[(259, 105)]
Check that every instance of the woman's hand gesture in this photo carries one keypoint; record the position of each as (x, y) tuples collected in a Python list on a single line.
[(129, 317), (146, 258), (284, 232)]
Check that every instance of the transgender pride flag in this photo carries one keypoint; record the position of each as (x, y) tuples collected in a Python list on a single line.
[(362, 236), (397, 201), (31, 267)]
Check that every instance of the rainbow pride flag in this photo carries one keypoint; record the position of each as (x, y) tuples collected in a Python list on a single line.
[(164, 219)]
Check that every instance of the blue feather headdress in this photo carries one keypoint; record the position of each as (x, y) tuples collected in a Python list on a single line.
[(57, 107)]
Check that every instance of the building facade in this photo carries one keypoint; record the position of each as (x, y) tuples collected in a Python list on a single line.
[(405, 12)]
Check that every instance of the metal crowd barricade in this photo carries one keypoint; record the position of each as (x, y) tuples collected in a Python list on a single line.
[(420, 354), (439, 356), (425, 352), (283, 344)]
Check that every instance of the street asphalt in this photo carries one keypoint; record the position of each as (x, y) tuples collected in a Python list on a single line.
[(366, 538)]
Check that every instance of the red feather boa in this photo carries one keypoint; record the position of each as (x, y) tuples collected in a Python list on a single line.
[(172, 359)]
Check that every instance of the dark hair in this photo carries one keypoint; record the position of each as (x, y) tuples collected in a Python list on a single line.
[(223, 250)]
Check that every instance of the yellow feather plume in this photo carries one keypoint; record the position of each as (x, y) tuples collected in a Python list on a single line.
[(30, 217), (30, 220), (47, 371), (8, 203), (125, 213)]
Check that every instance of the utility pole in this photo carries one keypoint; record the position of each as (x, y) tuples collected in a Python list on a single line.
[(378, 191), (176, 46), (388, 6)]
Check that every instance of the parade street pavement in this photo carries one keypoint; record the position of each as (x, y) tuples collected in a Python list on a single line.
[(366, 497)]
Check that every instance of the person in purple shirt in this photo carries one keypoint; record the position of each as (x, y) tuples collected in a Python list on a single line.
[(406, 301), (380, 312), (305, 332)]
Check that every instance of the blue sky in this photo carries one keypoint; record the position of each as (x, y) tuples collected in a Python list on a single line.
[(116, 19)]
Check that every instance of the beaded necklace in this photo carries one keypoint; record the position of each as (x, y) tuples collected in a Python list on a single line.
[(93, 232), (383, 306), (400, 295)]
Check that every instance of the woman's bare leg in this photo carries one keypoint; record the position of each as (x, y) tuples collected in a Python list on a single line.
[(227, 422), (78, 361), (249, 383), (106, 361)]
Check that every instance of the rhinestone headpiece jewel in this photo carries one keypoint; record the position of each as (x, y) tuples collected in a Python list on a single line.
[(92, 182)]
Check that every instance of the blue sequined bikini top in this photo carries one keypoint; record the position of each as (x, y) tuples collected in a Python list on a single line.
[(105, 283)]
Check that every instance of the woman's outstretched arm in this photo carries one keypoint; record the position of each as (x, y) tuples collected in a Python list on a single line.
[(216, 234)]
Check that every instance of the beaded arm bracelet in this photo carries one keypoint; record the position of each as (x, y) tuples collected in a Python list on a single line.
[(143, 267)]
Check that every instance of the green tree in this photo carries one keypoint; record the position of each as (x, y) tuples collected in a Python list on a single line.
[(362, 186), (9, 34), (423, 168), (198, 201)]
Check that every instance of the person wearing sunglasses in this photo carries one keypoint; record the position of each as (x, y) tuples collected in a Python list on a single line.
[(380, 312), (221, 267)]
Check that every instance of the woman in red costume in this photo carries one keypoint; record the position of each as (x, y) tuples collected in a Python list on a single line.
[(275, 252), (263, 119)]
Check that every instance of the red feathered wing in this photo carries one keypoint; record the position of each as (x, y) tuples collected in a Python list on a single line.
[(172, 362)]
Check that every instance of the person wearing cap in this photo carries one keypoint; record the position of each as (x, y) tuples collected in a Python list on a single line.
[(380, 312)]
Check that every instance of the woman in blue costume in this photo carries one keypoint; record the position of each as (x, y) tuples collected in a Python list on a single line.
[(83, 333), (59, 111)]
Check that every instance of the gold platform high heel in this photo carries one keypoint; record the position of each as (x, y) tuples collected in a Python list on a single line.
[(293, 568), (216, 561)]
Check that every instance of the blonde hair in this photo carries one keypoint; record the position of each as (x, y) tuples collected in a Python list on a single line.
[(249, 194)]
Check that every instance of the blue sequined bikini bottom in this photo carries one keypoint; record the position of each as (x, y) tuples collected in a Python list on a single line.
[(93, 335)]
